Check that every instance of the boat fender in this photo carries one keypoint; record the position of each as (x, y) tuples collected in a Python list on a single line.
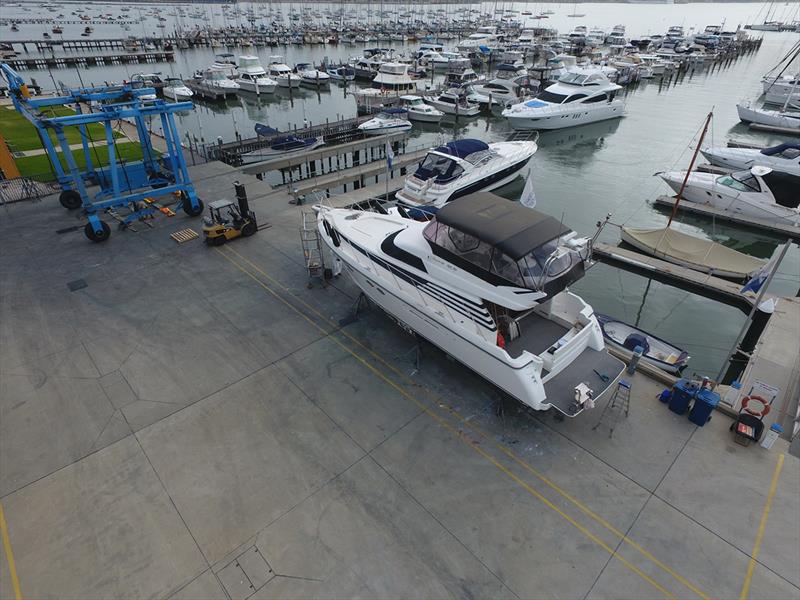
[(763, 412), (501, 341), (332, 233)]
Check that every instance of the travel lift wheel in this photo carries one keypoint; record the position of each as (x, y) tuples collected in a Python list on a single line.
[(70, 199), (186, 204), (96, 235)]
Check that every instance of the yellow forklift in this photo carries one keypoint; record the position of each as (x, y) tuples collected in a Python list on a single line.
[(228, 220)]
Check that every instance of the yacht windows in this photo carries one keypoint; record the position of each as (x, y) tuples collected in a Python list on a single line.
[(574, 97), (546, 260), (551, 97), (790, 153), (593, 99), (440, 168), (741, 182)]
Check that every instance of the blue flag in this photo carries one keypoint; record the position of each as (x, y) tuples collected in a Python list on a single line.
[(760, 276)]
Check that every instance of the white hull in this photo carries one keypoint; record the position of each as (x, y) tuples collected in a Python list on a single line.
[(738, 159), (314, 82), (384, 130), (250, 86), (773, 118), (562, 116), (172, 95), (521, 377), (287, 81), (269, 153), (423, 117), (450, 109)]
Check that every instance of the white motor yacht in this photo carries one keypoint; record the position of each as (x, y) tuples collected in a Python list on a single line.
[(440, 61), (462, 167), (282, 73), (146, 80), (774, 118), (389, 120), (393, 78), (758, 192), (342, 74), (252, 77), (501, 91), (783, 157), (486, 281), (218, 78), (175, 89), (580, 96), (419, 111), (311, 76), (454, 102), (225, 63)]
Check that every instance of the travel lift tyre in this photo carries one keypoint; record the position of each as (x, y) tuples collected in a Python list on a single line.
[(227, 221)]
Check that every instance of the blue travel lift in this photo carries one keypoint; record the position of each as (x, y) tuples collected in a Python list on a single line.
[(132, 185)]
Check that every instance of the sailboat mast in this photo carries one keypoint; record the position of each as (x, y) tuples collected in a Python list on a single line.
[(689, 171)]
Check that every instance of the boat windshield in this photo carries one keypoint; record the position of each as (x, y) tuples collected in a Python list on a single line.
[(551, 97), (439, 168), (743, 181), (534, 271)]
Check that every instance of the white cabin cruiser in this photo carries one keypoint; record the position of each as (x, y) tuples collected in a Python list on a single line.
[(486, 281), (225, 62), (218, 78), (462, 167), (393, 77), (282, 73), (501, 91), (311, 76), (252, 77), (758, 192), (419, 111), (454, 102), (175, 89), (389, 120), (783, 157), (580, 96), (774, 118)]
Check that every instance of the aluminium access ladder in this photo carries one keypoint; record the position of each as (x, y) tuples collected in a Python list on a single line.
[(312, 247)]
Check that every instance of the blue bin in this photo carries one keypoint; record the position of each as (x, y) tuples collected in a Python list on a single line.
[(705, 401), (682, 395)]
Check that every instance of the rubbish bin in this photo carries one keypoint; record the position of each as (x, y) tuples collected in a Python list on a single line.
[(682, 394), (705, 401)]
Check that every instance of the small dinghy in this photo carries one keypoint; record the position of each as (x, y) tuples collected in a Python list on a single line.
[(656, 351)]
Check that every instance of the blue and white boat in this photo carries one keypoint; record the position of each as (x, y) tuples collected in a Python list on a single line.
[(580, 96), (389, 120), (655, 351), (463, 167), (279, 145)]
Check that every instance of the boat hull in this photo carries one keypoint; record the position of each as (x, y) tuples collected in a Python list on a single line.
[(560, 119), (249, 86), (269, 153), (423, 117), (772, 118)]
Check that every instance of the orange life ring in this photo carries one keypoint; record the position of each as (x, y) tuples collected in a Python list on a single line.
[(764, 411)]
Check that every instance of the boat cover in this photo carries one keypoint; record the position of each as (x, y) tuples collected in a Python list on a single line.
[(508, 226), (693, 251), (463, 148), (785, 187), (265, 130), (778, 149)]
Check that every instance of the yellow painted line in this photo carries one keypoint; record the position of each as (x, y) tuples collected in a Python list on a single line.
[(544, 479), (773, 487), (12, 567)]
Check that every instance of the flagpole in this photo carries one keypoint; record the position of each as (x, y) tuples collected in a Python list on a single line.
[(761, 292)]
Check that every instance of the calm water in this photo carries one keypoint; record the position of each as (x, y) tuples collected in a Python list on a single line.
[(580, 173)]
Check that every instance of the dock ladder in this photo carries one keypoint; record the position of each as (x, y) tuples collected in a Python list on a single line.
[(620, 403), (312, 247)]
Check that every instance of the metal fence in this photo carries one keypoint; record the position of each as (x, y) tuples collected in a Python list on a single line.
[(26, 188)]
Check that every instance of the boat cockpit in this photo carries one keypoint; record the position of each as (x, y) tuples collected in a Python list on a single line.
[(506, 244)]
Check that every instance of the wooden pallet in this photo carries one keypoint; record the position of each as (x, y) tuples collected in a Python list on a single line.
[(184, 235)]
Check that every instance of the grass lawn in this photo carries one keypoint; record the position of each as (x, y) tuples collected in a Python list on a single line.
[(20, 134), (38, 167)]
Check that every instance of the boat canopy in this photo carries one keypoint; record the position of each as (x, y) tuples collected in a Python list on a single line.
[(265, 130), (394, 111), (508, 226), (780, 149), (785, 187), (462, 148)]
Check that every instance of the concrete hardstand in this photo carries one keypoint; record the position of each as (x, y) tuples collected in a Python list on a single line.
[(195, 423)]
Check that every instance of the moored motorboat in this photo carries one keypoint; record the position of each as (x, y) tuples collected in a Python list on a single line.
[(463, 167), (311, 76), (282, 73), (389, 120), (342, 74), (279, 145), (454, 102), (485, 280), (580, 96), (787, 119), (175, 89), (252, 77), (758, 192), (783, 157), (419, 111), (655, 351)]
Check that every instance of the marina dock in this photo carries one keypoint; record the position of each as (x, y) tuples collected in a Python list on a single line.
[(779, 229), (89, 60), (702, 283)]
